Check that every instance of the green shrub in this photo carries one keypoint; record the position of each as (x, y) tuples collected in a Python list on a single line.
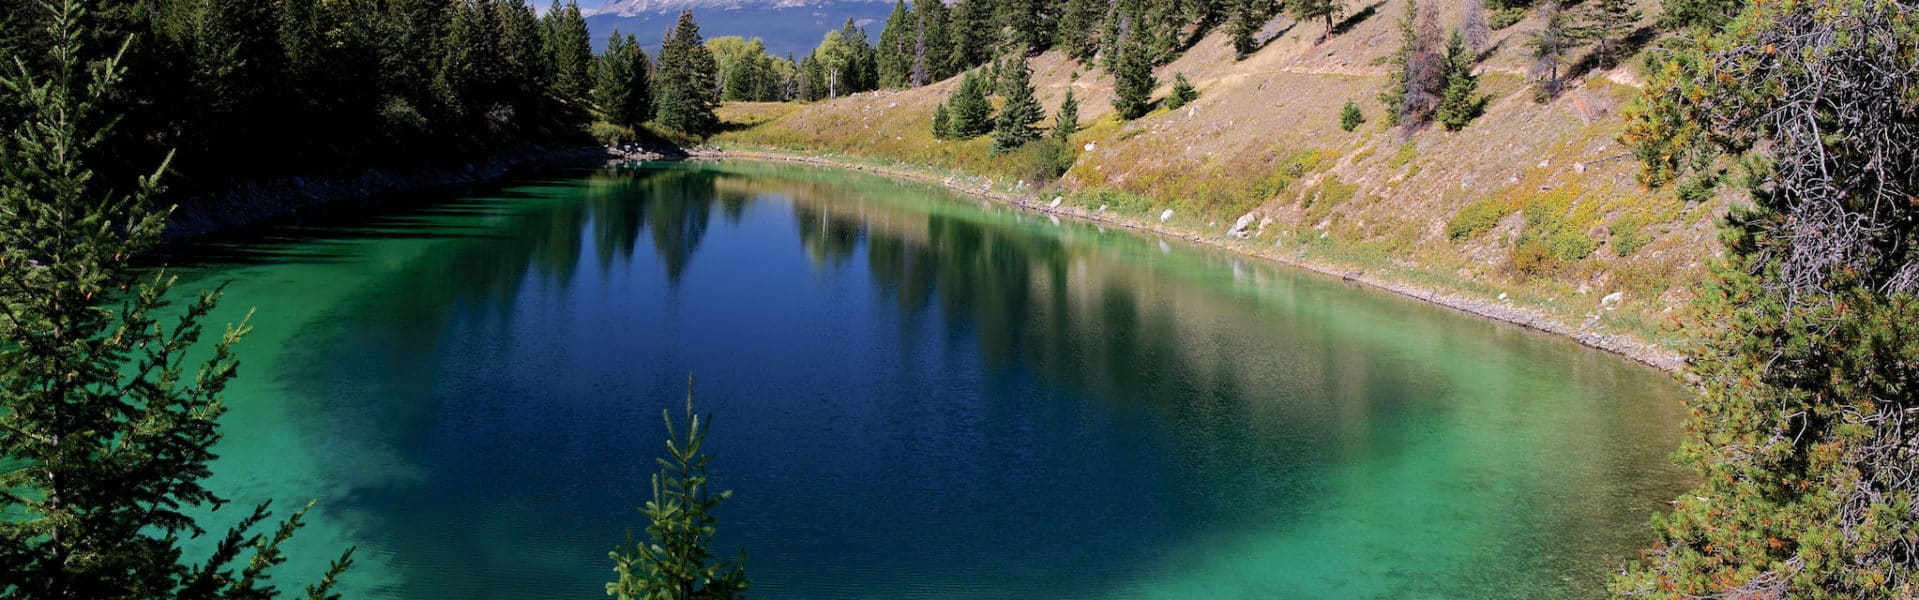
[(1504, 18), (1555, 229), (670, 135), (1319, 202), (1629, 235), (1042, 161), (1292, 168), (609, 134), (1568, 245), (1407, 154), (1113, 200), (1350, 117), (1697, 188), (1532, 258), (1477, 218), (1183, 92)]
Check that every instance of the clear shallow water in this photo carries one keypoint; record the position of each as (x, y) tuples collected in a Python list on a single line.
[(915, 397)]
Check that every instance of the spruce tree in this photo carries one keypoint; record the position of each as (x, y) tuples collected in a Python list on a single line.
[(1393, 98), (1026, 24), (1248, 16), (933, 54), (971, 35), (1078, 30), (1327, 10), (1702, 16), (469, 66), (1460, 103), (1066, 121), (624, 91), (1350, 117), (972, 113), (1021, 112), (110, 413), (527, 66), (812, 79), (676, 562), (685, 81), (570, 48), (238, 76), (1607, 23), (1183, 92), (920, 69), (1133, 80), (864, 72), (1549, 45), (942, 122), (896, 48)]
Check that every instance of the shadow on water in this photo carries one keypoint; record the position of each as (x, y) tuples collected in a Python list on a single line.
[(919, 398)]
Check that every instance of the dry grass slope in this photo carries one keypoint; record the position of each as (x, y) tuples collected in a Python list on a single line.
[(1533, 209)]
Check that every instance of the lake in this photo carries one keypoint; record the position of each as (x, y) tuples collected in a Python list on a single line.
[(915, 395)]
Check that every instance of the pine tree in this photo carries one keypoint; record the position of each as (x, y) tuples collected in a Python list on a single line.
[(972, 114), (922, 66), (1066, 121), (812, 79), (1026, 24), (1022, 111), (417, 109), (685, 82), (1607, 23), (971, 35), (934, 55), (1307, 10), (896, 48), (527, 67), (570, 48), (1350, 117), (1247, 18), (110, 414), (1549, 45), (1704, 16), (624, 90), (1802, 338), (942, 122), (676, 562), (239, 72), (1159, 29), (861, 72), (1183, 92), (1077, 33), (1460, 103), (1393, 98), (1133, 80), (468, 74)]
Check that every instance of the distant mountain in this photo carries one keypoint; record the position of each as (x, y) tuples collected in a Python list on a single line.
[(787, 26)]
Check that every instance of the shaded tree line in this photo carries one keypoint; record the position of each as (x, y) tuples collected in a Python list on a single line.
[(250, 88)]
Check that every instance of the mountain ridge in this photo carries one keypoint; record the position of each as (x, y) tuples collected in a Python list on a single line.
[(786, 26)]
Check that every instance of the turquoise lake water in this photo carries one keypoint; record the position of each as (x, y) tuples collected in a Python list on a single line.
[(915, 396)]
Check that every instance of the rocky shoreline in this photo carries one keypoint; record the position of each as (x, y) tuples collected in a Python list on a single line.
[(1661, 358)]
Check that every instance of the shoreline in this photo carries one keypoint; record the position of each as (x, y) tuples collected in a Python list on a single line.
[(1626, 346)]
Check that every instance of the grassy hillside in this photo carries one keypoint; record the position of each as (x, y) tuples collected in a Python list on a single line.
[(1532, 209)]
